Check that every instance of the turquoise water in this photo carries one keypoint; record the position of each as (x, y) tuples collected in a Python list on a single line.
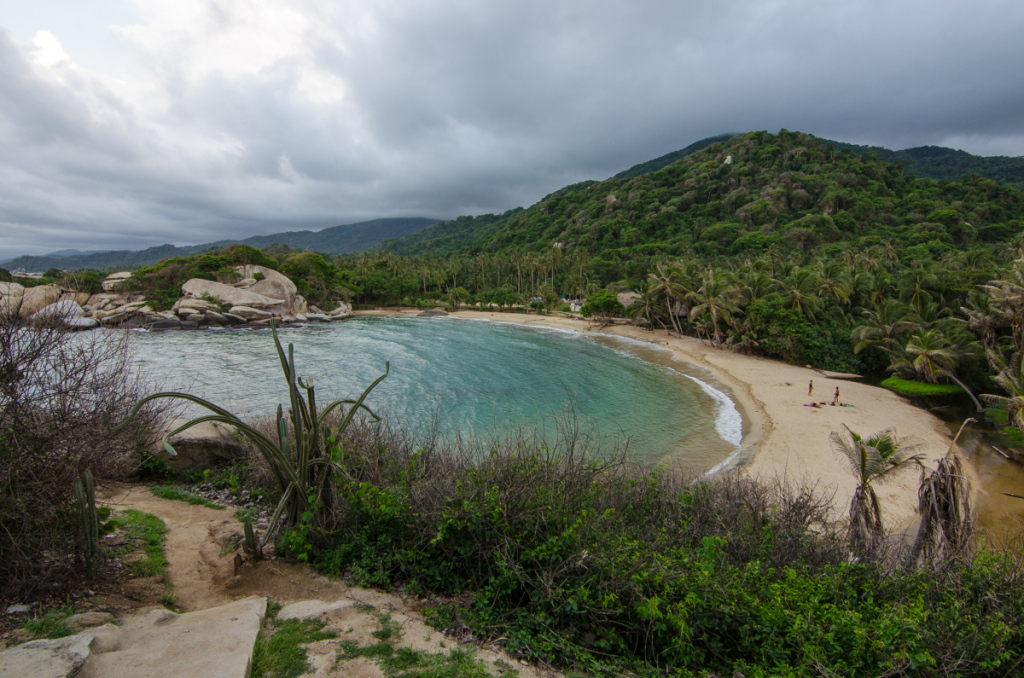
[(480, 379)]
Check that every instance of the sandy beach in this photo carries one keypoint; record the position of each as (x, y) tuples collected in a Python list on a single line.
[(782, 437)]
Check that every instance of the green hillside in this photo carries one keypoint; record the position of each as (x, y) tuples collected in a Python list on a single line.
[(792, 191), (947, 164)]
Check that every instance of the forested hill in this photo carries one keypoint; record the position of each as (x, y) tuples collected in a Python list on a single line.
[(793, 191), (947, 164), (343, 239)]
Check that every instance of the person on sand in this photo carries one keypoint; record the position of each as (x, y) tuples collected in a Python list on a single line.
[(810, 388), (835, 401)]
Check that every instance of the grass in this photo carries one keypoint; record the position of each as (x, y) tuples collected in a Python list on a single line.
[(404, 662), (917, 389), (280, 654), (178, 494), (52, 624), (151, 531)]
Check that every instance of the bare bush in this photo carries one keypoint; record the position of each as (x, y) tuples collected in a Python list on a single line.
[(56, 387)]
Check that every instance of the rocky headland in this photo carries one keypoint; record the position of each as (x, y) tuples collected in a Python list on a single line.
[(260, 296)]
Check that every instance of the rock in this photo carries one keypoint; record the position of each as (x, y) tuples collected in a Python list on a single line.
[(627, 298), (79, 298), (36, 298), (301, 318), (87, 620), (343, 311), (11, 289), (189, 325), (317, 311), (312, 608), (248, 313), (228, 295), (237, 319), (116, 281), (64, 310), (113, 319), (197, 305), (19, 608), (198, 318), (164, 325), (319, 317), (431, 312), (82, 323), (213, 643), (202, 446), (60, 658), (216, 318)]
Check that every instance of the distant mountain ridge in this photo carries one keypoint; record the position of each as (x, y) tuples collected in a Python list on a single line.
[(344, 239)]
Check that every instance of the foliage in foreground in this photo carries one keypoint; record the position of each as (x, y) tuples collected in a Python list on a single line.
[(603, 567)]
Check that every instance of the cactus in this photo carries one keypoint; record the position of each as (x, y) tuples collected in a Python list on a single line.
[(86, 499), (303, 458), (251, 543)]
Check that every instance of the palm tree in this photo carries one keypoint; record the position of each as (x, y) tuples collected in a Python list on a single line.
[(874, 460), (883, 326), (714, 297), (799, 292), (1011, 378), (931, 355), (666, 285), (644, 309)]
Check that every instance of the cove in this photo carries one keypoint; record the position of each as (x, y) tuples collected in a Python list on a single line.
[(474, 378)]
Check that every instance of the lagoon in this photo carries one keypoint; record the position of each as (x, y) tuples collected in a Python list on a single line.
[(476, 379)]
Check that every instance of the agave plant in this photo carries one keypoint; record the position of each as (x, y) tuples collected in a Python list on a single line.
[(304, 457)]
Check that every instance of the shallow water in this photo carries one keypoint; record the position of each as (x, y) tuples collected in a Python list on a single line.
[(478, 378)]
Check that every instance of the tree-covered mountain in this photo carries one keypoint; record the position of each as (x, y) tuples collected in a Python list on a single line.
[(947, 164), (343, 239), (669, 158), (792, 191)]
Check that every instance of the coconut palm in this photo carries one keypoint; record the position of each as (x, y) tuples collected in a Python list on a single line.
[(666, 285), (874, 460), (713, 297), (1011, 378), (931, 356), (883, 326)]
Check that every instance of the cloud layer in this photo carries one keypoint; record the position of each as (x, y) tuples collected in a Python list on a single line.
[(240, 117)]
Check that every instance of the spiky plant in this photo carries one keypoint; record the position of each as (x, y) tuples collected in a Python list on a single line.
[(85, 497), (944, 502), (304, 457), (874, 460)]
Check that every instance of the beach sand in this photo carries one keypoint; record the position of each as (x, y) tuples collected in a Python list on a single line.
[(783, 438)]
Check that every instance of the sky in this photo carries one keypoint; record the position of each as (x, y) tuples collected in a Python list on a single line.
[(131, 123)]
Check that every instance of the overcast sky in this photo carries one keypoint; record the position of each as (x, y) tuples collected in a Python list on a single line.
[(131, 123)]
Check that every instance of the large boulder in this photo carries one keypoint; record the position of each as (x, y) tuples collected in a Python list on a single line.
[(69, 312), (60, 658), (275, 285), (10, 297), (343, 311), (248, 313), (11, 289), (80, 298), (203, 446), (228, 295), (35, 298), (116, 281)]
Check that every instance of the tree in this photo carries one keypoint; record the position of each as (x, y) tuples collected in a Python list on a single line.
[(874, 460), (712, 297), (1011, 378), (602, 304), (666, 285), (930, 356), (883, 326)]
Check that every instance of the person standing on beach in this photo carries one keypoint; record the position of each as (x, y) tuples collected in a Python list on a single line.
[(835, 401), (810, 388)]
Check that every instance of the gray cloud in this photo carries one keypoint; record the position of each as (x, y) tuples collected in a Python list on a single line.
[(237, 123)]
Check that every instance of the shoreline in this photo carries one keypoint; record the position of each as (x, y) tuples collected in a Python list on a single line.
[(782, 438)]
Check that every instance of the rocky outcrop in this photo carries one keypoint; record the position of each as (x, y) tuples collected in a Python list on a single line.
[(35, 298), (116, 281), (68, 312), (227, 295), (203, 446)]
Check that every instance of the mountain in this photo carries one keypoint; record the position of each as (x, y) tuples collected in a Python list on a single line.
[(740, 196), (334, 240), (947, 164), (669, 158)]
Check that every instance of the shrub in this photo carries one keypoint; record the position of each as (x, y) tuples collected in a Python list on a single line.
[(55, 389)]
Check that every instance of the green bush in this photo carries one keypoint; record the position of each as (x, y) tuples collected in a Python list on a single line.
[(918, 389)]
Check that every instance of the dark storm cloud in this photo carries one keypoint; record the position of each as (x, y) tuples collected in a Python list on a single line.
[(446, 108)]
